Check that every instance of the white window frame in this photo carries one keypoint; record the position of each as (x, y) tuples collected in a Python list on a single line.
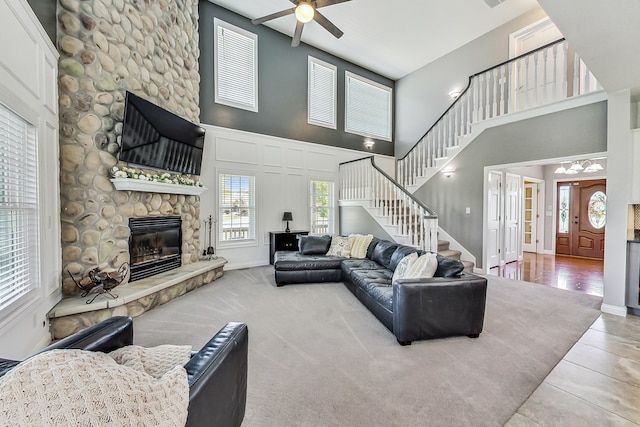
[(331, 208), (251, 103), (22, 174), (384, 91), (250, 239), (321, 97)]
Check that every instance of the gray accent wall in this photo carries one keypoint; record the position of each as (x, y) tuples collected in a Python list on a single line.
[(423, 96), (282, 87), (45, 10), (356, 220), (572, 132)]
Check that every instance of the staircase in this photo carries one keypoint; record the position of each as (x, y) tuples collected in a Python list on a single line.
[(542, 77), (443, 249), (547, 75), (404, 218)]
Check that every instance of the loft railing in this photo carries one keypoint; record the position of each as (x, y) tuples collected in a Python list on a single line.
[(408, 218), (548, 74)]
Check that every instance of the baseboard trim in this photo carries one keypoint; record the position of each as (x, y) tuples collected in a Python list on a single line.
[(240, 266), (614, 309)]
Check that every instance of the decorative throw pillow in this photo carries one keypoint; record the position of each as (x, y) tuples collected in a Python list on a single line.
[(340, 246), (448, 267), (424, 267), (359, 245), (403, 266), (314, 245)]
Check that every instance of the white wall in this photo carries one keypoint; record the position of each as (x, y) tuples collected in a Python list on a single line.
[(28, 86), (618, 191), (283, 169)]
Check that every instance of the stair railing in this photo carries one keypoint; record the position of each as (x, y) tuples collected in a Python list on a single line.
[(362, 180), (545, 75)]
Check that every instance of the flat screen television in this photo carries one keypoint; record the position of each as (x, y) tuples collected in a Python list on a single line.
[(156, 138)]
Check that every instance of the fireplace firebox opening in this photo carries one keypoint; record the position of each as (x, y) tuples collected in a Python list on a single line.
[(155, 245)]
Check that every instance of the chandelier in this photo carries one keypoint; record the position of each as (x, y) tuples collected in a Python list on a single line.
[(578, 166)]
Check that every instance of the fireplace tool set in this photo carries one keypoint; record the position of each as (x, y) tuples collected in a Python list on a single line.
[(100, 282), (210, 252)]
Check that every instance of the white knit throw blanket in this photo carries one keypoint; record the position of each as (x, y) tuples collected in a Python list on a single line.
[(133, 386)]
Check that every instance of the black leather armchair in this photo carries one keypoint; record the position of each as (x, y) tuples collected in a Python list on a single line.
[(217, 373)]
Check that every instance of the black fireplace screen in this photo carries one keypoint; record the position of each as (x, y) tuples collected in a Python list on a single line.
[(154, 245)]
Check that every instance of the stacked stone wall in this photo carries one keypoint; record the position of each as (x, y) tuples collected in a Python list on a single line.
[(148, 47)]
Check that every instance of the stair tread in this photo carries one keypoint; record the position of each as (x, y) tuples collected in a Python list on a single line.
[(449, 253)]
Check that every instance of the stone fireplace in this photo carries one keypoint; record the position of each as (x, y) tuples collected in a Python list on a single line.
[(149, 47), (108, 47), (154, 245)]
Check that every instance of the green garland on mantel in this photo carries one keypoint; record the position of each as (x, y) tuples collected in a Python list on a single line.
[(165, 178)]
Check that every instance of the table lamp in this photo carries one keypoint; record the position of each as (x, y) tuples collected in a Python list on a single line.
[(287, 217)]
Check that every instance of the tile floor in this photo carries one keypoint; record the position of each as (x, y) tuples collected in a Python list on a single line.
[(597, 383)]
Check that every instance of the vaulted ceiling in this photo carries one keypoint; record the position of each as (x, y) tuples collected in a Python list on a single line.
[(607, 36), (392, 38)]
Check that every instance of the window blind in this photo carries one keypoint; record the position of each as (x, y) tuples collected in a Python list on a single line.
[(237, 207), (236, 66), (368, 107), (322, 93), (19, 214), (321, 207)]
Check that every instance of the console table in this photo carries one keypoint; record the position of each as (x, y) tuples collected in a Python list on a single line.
[(283, 241)]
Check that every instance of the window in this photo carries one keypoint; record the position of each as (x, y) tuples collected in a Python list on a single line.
[(564, 197), (322, 93), (236, 66), (321, 204), (368, 107), (19, 210), (237, 208), (598, 210)]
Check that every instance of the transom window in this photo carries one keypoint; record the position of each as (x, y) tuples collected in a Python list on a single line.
[(236, 66), (322, 90), (368, 107), (237, 208)]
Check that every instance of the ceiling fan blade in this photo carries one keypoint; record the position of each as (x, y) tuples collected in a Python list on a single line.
[(323, 3), (298, 33), (285, 12), (328, 25)]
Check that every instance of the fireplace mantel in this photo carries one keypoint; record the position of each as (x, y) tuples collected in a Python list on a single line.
[(155, 187)]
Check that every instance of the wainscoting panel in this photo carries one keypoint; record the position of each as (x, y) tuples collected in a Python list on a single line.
[(295, 158), (229, 150), (270, 194), (20, 56), (283, 169), (322, 162), (272, 156)]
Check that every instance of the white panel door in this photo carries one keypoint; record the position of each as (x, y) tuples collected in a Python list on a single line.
[(511, 217), (493, 219), (537, 79)]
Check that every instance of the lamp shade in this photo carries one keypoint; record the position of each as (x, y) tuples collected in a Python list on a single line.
[(287, 216)]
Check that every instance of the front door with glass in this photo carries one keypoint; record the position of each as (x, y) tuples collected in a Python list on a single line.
[(581, 217)]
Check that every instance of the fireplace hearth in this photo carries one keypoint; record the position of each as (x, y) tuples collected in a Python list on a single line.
[(154, 245)]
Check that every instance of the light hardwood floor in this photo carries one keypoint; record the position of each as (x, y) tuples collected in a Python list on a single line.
[(597, 383)]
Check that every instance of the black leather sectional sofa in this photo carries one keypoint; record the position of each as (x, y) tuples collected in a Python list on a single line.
[(448, 304)]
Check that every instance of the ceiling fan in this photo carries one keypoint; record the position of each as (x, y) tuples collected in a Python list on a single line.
[(305, 11)]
